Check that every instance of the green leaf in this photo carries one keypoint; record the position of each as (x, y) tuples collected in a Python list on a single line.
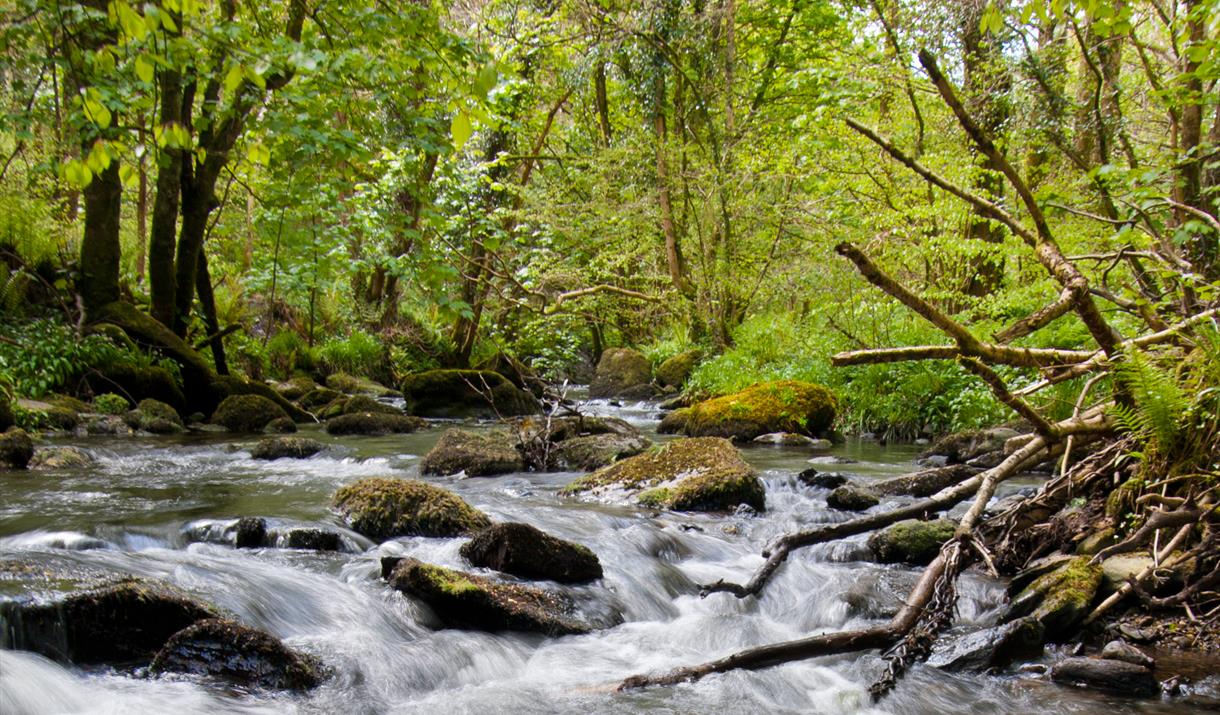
[(259, 154), (461, 129), (144, 68), (77, 174), (96, 111), (233, 78), (486, 80)]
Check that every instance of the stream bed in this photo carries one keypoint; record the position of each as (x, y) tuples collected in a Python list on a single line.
[(142, 507)]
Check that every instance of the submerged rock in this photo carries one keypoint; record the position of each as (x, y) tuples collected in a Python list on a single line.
[(674, 371), (699, 474), (247, 413), (250, 532), (154, 416), (16, 449), (1113, 676), (125, 622), (56, 458), (466, 393), (462, 600), (622, 372), (911, 542), (522, 550), (786, 406), (238, 655), (995, 647), (382, 508), (478, 455), (373, 424), (286, 448)]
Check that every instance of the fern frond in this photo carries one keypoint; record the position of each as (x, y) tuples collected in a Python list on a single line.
[(1159, 402)]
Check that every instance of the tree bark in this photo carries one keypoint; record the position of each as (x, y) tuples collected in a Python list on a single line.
[(100, 250)]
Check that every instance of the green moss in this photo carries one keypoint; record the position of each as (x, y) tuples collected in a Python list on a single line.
[(110, 404), (382, 508), (674, 371), (916, 542), (247, 413), (787, 406), (1121, 500), (1063, 596), (658, 498), (465, 393)]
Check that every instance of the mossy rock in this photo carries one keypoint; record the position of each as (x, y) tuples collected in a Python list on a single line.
[(44, 415), (296, 387), (16, 449), (364, 403), (155, 417), (238, 655), (525, 551), (68, 402), (110, 404), (478, 455), (622, 372), (352, 385), (852, 497), (787, 406), (1059, 599), (466, 393), (319, 397), (675, 371), (699, 474), (674, 422), (137, 383), (247, 413), (120, 623), (911, 542), (286, 448), (59, 458), (373, 424), (225, 386), (595, 451), (281, 425), (383, 508), (463, 600)]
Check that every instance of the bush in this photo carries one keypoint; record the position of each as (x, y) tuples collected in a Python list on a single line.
[(358, 354), (285, 353), (43, 356), (110, 404)]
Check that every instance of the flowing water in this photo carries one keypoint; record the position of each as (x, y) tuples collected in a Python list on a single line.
[(147, 503)]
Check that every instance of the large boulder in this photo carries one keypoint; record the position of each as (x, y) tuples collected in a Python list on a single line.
[(463, 600), (247, 413), (225, 386), (45, 415), (911, 542), (674, 422), (622, 372), (478, 455), (57, 458), (373, 424), (238, 655), (1060, 598), (295, 387), (701, 474), (319, 397), (286, 448), (1112, 676), (382, 508), (352, 385), (852, 497), (522, 550), (122, 622), (364, 403), (16, 449), (154, 416), (595, 451), (674, 371), (786, 406), (466, 393)]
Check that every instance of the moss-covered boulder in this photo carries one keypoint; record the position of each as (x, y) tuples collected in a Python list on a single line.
[(225, 386), (296, 387), (16, 449), (700, 474), (318, 398), (58, 458), (357, 403), (476, 454), (68, 402), (373, 424), (595, 451), (45, 415), (522, 550), (286, 448), (246, 413), (281, 425), (466, 393), (308, 538), (352, 385), (123, 622), (238, 655), (154, 416), (674, 371), (787, 406), (852, 497), (911, 542), (622, 372), (138, 383), (463, 600), (674, 422), (382, 508), (1059, 599)]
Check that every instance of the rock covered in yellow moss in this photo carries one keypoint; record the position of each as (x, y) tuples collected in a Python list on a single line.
[(383, 508), (785, 406), (697, 474)]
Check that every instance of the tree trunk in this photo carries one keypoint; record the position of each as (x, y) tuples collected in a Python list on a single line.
[(207, 304), (603, 104), (165, 207), (100, 249)]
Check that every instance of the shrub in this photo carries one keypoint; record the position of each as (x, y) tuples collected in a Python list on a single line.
[(358, 354), (110, 404), (42, 356), (286, 352)]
